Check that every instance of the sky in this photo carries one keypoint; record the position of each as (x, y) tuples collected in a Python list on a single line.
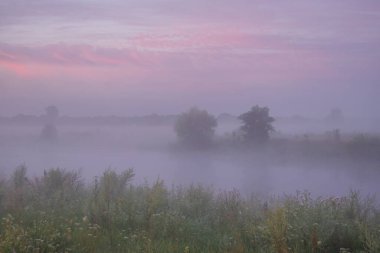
[(124, 57)]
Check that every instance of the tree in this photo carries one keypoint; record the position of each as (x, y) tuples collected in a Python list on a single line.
[(257, 124), (52, 114), (195, 127), (335, 116), (49, 131)]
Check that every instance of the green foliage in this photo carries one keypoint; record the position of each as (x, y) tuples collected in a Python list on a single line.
[(278, 227), (57, 190), (58, 213), (18, 190), (108, 197), (257, 124), (195, 127)]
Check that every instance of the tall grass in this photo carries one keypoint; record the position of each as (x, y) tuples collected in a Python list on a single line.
[(58, 212)]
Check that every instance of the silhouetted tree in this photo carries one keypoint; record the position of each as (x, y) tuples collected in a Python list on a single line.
[(335, 115), (195, 127), (52, 114), (49, 131), (256, 124)]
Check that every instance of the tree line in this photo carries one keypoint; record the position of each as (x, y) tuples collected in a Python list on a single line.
[(196, 127)]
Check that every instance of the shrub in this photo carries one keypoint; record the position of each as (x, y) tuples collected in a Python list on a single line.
[(196, 127)]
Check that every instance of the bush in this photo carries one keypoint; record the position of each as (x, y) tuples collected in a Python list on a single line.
[(196, 127)]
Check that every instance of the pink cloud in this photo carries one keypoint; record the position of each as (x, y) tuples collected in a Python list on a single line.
[(70, 61), (16, 68), (260, 61), (63, 54)]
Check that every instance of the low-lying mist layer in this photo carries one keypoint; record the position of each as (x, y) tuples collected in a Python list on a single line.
[(59, 212), (319, 162)]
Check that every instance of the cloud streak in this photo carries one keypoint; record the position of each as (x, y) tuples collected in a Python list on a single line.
[(235, 58)]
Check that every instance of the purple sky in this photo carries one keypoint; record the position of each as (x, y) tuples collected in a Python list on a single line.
[(128, 57)]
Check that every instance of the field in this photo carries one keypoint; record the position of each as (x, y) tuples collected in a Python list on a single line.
[(59, 212)]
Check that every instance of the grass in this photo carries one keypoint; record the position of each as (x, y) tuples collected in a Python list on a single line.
[(58, 212)]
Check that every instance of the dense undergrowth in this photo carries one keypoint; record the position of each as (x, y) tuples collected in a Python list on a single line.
[(58, 212)]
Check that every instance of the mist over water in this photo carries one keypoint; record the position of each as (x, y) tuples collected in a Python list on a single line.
[(153, 152)]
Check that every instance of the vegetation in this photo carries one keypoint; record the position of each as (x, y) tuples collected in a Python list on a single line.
[(195, 127), (52, 113), (256, 124), (49, 131), (57, 212)]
